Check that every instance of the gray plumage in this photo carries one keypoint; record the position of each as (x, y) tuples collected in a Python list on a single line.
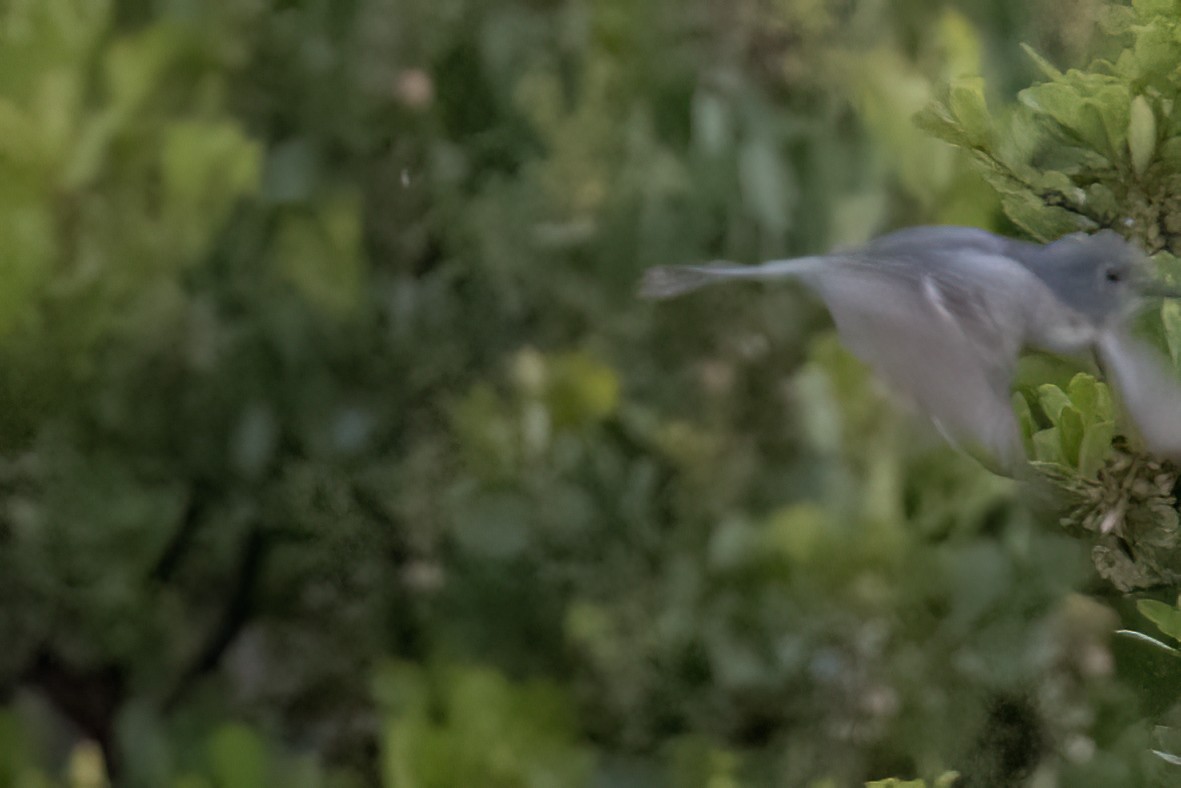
[(942, 314)]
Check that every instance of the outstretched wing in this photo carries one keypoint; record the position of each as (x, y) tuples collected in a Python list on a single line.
[(946, 336)]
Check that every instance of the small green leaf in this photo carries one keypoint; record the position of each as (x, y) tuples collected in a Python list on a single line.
[(1170, 313), (1070, 428), (1052, 400), (936, 120), (970, 109), (1166, 617), (1047, 446), (1043, 222), (1063, 103), (1141, 134), (1095, 448), (1155, 50), (1025, 421), (1084, 396)]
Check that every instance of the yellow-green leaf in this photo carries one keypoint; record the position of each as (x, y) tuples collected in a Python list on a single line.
[(1141, 134), (970, 109), (1166, 617)]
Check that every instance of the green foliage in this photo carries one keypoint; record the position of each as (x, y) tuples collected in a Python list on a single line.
[(335, 449), (1087, 149), (1167, 618), (943, 781), (468, 726), (1081, 425)]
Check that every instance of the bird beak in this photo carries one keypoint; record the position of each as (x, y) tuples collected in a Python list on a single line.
[(1154, 288)]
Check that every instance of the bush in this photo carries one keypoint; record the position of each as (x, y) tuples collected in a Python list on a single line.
[(335, 449)]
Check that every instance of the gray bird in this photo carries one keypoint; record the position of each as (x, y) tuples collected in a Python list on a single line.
[(942, 314)]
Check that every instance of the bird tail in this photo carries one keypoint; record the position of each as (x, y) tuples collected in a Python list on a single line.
[(670, 281)]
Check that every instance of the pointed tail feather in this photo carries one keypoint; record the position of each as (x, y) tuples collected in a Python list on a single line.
[(670, 281)]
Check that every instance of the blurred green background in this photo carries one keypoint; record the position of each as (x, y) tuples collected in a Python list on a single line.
[(335, 449)]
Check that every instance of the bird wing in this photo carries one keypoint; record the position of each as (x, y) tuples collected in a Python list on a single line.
[(1149, 391), (946, 336)]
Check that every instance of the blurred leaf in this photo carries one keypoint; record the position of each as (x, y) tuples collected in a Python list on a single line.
[(494, 525), (320, 254), (1171, 319), (206, 167), (766, 184), (238, 757), (87, 768), (580, 390), (1141, 134), (1047, 446), (966, 100), (1053, 402), (1161, 7), (136, 66), (1095, 448), (796, 532)]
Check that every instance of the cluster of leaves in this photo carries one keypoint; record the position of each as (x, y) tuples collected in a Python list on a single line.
[(335, 449), (1085, 149)]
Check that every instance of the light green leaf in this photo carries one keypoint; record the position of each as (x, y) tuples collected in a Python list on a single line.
[(1086, 397), (580, 390), (205, 168), (1141, 134), (796, 532), (1043, 222), (970, 109), (1095, 448), (1025, 421), (1052, 400), (1063, 103), (135, 66), (936, 120), (1156, 7), (1170, 313), (1166, 617), (1156, 50), (1047, 446), (1070, 428)]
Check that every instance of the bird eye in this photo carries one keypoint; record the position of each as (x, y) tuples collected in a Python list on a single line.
[(1113, 275)]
